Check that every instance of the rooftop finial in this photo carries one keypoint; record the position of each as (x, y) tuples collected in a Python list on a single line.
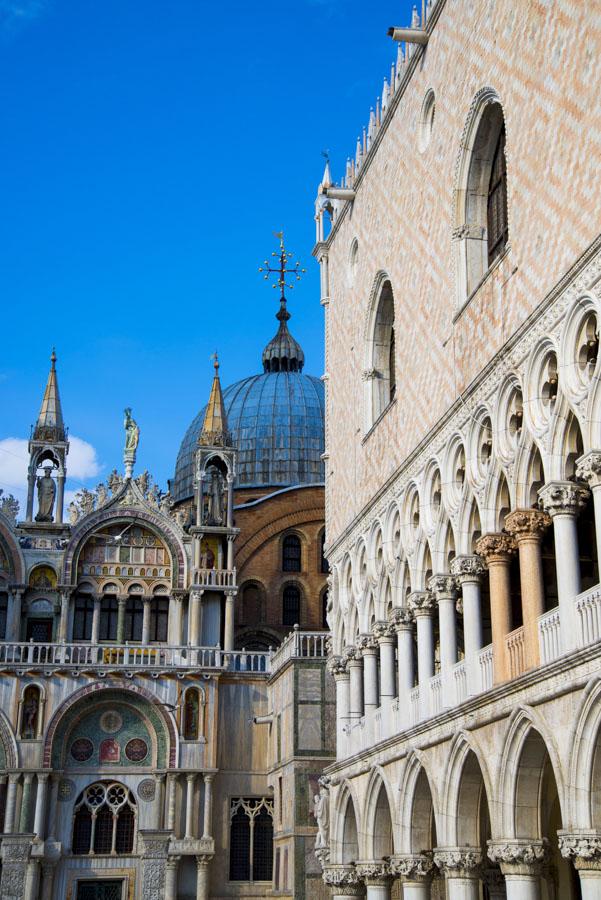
[(50, 425), (283, 353), (214, 427)]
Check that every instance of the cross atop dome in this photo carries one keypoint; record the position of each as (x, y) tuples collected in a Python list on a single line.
[(283, 353)]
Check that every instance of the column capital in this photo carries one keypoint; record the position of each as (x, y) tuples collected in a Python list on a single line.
[(368, 644), (191, 777), (353, 655), (376, 872), (527, 524), (65, 590), (208, 777), (344, 876), (43, 777), (337, 666), (563, 498), (588, 468), (28, 777), (422, 603), (203, 860), (400, 618), (179, 595), (196, 593), (412, 866), (443, 586), (383, 632), (517, 856), (468, 569), (457, 861), (123, 598), (496, 547), (582, 846)]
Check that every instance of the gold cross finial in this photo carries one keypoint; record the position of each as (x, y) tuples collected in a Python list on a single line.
[(215, 360), (285, 272)]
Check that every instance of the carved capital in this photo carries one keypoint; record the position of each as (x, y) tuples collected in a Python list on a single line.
[(412, 866), (383, 631), (563, 498), (527, 524), (342, 876), (422, 603), (468, 568), (455, 861), (496, 548), (588, 468), (376, 872), (519, 857), (400, 618), (337, 665), (443, 585), (368, 644), (583, 847), (352, 655)]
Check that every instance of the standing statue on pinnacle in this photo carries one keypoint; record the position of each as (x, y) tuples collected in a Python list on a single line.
[(132, 439)]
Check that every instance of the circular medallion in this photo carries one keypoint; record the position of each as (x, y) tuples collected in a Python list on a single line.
[(110, 721), (136, 750), (82, 749), (147, 790), (65, 789)]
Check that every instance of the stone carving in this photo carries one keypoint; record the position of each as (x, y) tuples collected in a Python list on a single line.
[(496, 547), (443, 585), (9, 506), (110, 721), (337, 665), (147, 790), (581, 846), (382, 630), (155, 849), (132, 432), (422, 603), (321, 811), (412, 866), (563, 498), (15, 854), (527, 523), (114, 481), (46, 496), (588, 468), (342, 876), (368, 644), (458, 859), (468, 568), (66, 787), (373, 871), (518, 855), (400, 618)]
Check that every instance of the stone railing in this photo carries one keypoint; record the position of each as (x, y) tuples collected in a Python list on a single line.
[(436, 694), (215, 578), (549, 636), (485, 660), (300, 645), (515, 652), (460, 679), (588, 616), (414, 705)]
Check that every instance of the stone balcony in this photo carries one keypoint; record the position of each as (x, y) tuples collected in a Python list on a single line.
[(216, 579)]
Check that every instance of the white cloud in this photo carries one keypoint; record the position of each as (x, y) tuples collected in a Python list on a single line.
[(82, 463), (15, 14)]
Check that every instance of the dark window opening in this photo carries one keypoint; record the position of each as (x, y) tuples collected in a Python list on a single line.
[(159, 619), (109, 610), (83, 615), (291, 553), (291, 606), (498, 230), (134, 616)]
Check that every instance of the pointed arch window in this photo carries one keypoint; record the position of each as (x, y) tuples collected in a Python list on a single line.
[(380, 373), (251, 839), (498, 230), (104, 820)]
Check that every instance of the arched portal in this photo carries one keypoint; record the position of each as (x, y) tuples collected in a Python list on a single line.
[(349, 851)]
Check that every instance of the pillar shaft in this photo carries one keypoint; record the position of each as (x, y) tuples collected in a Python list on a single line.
[(337, 666), (469, 571), (40, 807), (497, 550), (370, 674), (11, 804), (63, 625), (208, 807), (355, 665), (528, 527), (146, 620), (194, 618), (384, 635), (25, 817), (190, 780), (444, 589), (171, 878), (202, 879), (95, 620), (171, 798), (401, 620), (121, 602), (228, 631)]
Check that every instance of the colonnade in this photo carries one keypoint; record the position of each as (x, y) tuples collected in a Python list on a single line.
[(368, 675)]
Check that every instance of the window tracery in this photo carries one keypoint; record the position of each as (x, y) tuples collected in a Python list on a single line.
[(104, 820), (251, 839)]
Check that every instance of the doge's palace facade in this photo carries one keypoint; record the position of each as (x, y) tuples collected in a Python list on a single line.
[(460, 262)]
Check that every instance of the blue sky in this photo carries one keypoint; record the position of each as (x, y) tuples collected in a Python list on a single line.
[(149, 151)]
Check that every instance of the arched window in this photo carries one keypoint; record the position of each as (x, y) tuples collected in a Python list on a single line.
[(482, 230), (251, 839), (192, 711), (251, 605), (159, 619), (291, 605), (83, 614), (134, 617), (291, 553), (380, 374), (324, 566), (104, 821), (109, 610)]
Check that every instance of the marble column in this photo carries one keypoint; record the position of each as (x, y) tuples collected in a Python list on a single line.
[(194, 618), (96, 619), (171, 800), (401, 620), (121, 604), (176, 618), (48, 869), (159, 781), (202, 877), (376, 878), (444, 589), (343, 881), (384, 635), (171, 877), (15, 593), (423, 607), (461, 867), (190, 782), (228, 631), (497, 550), (528, 526), (415, 871), (40, 806), (11, 803), (521, 863), (583, 848), (337, 666), (355, 667), (369, 651), (588, 468), (468, 570), (146, 620), (563, 500), (63, 624), (25, 817), (207, 813)]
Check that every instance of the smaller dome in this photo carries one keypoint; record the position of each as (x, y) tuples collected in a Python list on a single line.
[(283, 353)]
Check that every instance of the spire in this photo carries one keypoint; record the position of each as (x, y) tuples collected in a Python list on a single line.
[(283, 353), (214, 428), (50, 425)]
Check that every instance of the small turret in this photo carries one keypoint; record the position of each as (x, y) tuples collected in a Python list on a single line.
[(214, 427)]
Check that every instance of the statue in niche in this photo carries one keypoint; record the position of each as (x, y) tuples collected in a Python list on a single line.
[(215, 508), (46, 496), (321, 811), (132, 432), (207, 557), (31, 706)]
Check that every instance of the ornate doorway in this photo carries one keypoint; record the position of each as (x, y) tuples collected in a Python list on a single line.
[(100, 890)]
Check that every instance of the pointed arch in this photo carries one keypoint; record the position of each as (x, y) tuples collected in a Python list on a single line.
[(378, 817), (346, 825), (585, 762), (468, 793), (418, 805)]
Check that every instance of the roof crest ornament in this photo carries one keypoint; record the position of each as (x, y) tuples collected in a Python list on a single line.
[(283, 353), (215, 431), (132, 439)]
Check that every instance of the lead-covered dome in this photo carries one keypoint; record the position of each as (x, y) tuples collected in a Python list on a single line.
[(276, 422)]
